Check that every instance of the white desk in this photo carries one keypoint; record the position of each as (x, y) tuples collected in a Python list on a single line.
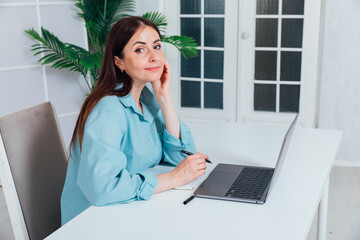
[(287, 214)]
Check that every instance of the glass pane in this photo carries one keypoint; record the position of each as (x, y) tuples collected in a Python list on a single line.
[(214, 32), (214, 64), (191, 27), (265, 65), (190, 6), (265, 97), (291, 33), (191, 67), (214, 6), (266, 32), (213, 95), (289, 98), (267, 6), (190, 94), (293, 7), (290, 66)]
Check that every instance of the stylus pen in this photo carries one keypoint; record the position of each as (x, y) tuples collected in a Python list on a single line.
[(189, 153), (189, 199)]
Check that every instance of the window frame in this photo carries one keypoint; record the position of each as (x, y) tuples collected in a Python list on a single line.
[(309, 72), (228, 113), (240, 18)]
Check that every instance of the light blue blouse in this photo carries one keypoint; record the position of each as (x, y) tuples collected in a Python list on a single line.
[(119, 143)]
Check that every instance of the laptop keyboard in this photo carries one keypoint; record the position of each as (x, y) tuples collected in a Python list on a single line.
[(250, 183)]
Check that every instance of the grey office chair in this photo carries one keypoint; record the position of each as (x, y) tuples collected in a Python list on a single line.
[(33, 167)]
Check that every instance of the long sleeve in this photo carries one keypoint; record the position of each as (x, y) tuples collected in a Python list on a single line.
[(172, 146), (103, 177), (119, 143)]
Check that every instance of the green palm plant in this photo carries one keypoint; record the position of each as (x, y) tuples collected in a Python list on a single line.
[(99, 16)]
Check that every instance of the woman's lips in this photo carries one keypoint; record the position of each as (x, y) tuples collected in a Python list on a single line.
[(153, 69)]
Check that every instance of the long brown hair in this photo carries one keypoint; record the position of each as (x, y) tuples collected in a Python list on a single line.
[(110, 77)]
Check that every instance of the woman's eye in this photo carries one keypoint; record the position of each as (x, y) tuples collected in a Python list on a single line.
[(139, 50), (157, 47)]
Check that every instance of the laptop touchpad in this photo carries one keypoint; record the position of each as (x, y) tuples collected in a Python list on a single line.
[(217, 183)]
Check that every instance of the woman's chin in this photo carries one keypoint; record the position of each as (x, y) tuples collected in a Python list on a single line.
[(154, 78)]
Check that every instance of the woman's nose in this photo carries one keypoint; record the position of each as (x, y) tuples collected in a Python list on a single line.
[(153, 56)]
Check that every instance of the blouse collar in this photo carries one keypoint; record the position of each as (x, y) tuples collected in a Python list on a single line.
[(149, 104)]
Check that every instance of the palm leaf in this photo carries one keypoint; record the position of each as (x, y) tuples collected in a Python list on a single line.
[(63, 55), (90, 12), (90, 61), (158, 19), (186, 45), (89, 8), (122, 9), (99, 16)]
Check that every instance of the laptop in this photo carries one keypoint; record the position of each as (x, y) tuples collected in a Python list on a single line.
[(243, 183)]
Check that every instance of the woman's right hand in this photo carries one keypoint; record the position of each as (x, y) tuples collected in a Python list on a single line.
[(189, 169)]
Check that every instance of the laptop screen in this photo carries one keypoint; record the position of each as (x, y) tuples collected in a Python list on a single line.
[(283, 150)]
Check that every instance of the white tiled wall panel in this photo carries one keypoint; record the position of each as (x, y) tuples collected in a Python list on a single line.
[(14, 42), (143, 6), (57, 0), (67, 123), (340, 83), (16, 1), (68, 27), (20, 89), (25, 86), (67, 90)]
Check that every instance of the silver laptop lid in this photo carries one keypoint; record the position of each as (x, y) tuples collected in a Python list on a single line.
[(283, 150)]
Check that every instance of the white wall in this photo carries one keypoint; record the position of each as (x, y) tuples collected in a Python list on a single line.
[(143, 6), (340, 82), (23, 81), (339, 106)]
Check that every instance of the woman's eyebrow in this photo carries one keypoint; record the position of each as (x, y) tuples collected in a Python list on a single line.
[(140, 42), (144, 43)]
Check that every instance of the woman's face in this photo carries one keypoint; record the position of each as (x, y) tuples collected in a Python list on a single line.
[(143, 57)]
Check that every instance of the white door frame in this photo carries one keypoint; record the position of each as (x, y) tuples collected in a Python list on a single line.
[(309, 68)]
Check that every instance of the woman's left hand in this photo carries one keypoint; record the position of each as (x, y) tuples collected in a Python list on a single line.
[(162, 90), (162, 87)]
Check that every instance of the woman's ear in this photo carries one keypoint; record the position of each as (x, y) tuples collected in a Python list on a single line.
[(118, 63)]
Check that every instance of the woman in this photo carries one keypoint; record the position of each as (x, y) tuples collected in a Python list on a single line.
[(123, 128)]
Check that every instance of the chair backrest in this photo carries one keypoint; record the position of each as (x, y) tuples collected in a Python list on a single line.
[(33, 168)]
